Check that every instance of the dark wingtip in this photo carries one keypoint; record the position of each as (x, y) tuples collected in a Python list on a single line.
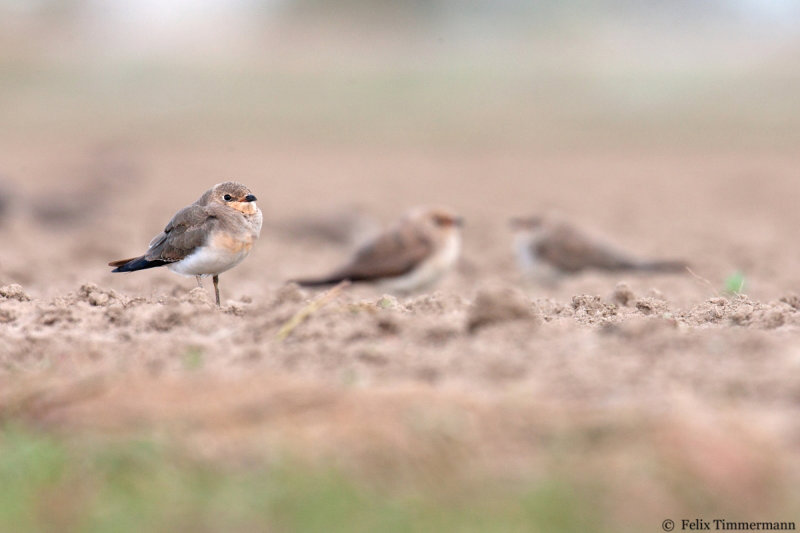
[(321, 282), (136, 263)]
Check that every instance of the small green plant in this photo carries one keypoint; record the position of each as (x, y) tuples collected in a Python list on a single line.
[(387, 302), (193, 358), (734, 284)]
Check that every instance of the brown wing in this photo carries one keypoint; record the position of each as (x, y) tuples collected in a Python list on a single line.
[(571, 251), (187, 230), (392, 254)]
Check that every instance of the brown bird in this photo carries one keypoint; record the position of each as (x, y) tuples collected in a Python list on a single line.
[(547, 250), (414, 253), (212, 235)]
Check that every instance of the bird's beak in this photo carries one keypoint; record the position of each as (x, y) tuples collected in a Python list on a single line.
[(250, 198), (458, 221)]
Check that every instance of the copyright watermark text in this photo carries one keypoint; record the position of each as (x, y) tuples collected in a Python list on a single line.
[(720, 524)]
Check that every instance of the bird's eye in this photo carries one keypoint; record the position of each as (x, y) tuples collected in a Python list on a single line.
[(227, 197)]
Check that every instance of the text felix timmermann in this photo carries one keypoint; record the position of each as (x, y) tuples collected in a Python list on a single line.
[(720, 524)]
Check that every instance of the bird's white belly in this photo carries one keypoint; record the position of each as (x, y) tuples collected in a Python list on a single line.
[(207, 261), (429, 271), (530, 264)]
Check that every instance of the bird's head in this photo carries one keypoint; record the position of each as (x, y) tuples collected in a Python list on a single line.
[(526, 224), (440, 220), (233, 195)]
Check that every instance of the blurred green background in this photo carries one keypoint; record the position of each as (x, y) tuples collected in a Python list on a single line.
[(707, 73)]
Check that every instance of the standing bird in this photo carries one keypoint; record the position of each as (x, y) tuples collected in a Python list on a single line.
[(212, 235), (412, 254), (547, 250)]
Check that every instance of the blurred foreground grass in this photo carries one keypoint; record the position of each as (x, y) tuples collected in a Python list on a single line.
[(58, 483), (136, 485)]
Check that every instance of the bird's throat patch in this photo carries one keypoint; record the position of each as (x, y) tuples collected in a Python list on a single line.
[(246, 208)]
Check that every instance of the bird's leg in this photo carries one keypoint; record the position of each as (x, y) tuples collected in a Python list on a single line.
[(216, 287), (199, 283)]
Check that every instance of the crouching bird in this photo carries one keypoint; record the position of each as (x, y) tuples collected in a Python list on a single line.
[(547, 249), (212, 235), (413, 254)]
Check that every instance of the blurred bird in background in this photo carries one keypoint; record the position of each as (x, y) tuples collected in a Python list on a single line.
[(414, 253), (548, 249)]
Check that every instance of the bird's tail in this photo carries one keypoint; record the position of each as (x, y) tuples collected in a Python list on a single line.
[(667, 266), (135, 263), (319, 282)]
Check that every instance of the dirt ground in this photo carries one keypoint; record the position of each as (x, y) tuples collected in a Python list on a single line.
[(488, 375)]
